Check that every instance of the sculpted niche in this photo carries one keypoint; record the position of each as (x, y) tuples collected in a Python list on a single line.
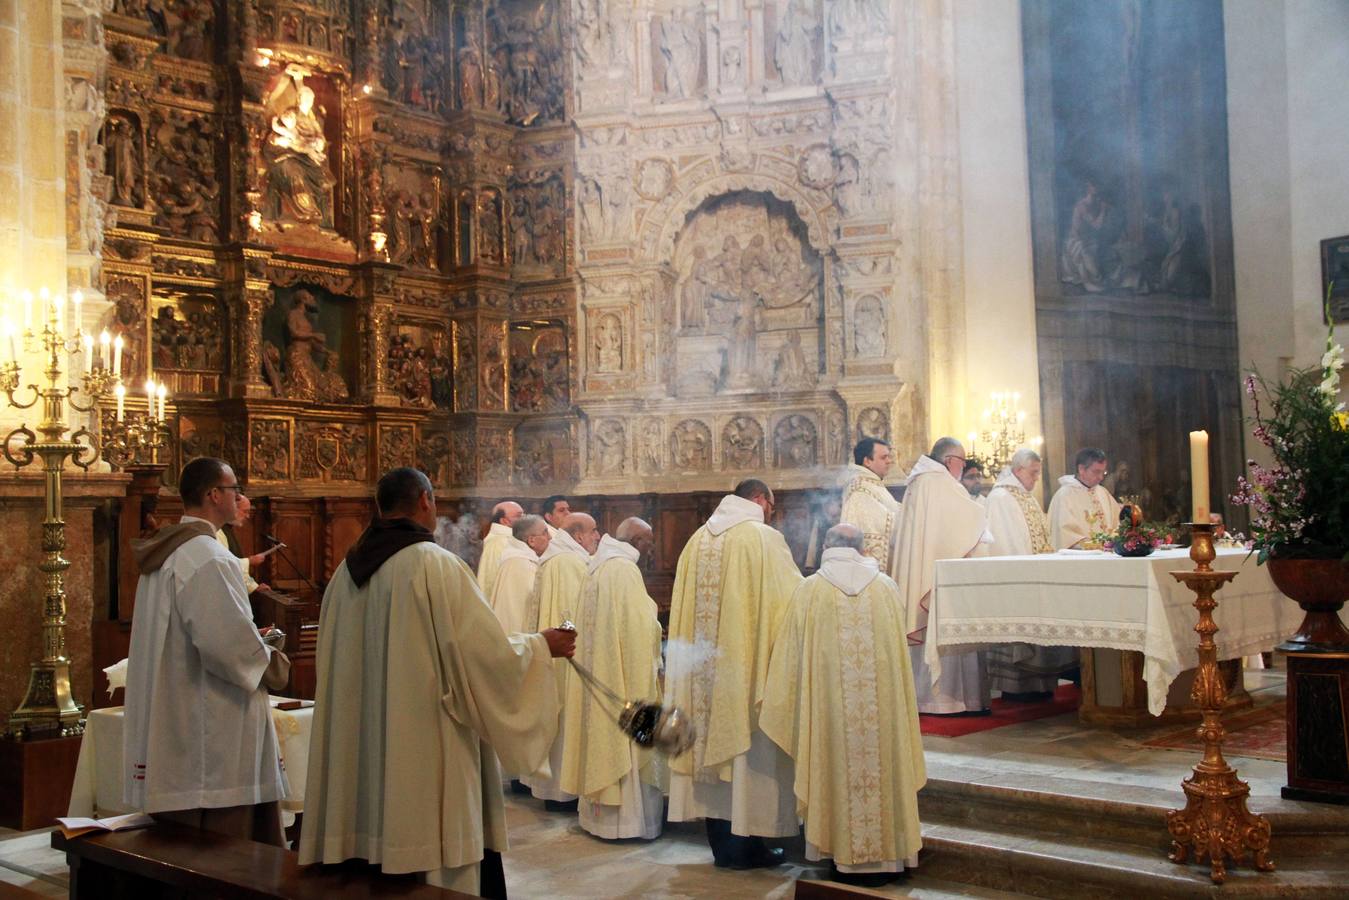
[(748, 297)]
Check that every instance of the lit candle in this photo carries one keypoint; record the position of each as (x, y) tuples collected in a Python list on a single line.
[(163, 395), (1199, 476), (120, 391), (77, 298), (117, 356), (150, 397), (88, 354), (104, 342)]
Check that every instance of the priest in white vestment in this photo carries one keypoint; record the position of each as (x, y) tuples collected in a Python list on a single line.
[(514, 582), (417, 686), (556, 599), (246, 563), (1082, 506), (733, 583), (198, 743), (840, 700), (498, 538), (1023, 672), (618, 641), (868, 503), (939, 520)]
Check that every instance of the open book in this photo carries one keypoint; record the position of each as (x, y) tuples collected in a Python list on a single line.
[(74, 826)]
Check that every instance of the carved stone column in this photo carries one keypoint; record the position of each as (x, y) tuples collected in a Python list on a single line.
[(248, 296), (376, 281)]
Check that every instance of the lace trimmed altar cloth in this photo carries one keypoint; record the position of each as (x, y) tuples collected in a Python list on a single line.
[(1081, 599)]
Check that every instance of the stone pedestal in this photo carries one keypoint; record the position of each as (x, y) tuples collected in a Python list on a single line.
[(1318, 745)]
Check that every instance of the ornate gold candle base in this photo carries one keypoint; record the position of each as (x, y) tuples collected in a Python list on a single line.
[(1215, 822)]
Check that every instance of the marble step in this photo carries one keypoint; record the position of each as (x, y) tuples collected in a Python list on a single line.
[(1103, 811), (1057, 866)]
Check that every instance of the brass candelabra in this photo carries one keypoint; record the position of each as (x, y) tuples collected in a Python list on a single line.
[(1002, 432), (1215, 822)]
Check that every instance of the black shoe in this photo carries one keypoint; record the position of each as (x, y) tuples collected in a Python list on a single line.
[(1027, 696), (561, 806), (758, 857), (864, 880), (518, 787)]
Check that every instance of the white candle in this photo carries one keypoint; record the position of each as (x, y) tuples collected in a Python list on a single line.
[(88, 354), (117, 356), (1199, 476), (150, 397), (120, 391), (104, 342), (163, 396)]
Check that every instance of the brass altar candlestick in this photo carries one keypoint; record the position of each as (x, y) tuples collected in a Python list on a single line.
[(48, 708), (1215, 822)]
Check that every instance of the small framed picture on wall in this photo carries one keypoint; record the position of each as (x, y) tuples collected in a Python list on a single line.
[(1335, 277)]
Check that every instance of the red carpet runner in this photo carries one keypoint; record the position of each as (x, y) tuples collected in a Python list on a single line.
[(1065, 700)]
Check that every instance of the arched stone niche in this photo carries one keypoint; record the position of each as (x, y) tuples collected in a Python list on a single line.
[(747, 305)]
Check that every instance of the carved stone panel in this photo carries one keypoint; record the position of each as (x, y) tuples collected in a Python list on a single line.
[(795, 442), (539, 374), (608, 448), (742, 444), (494, 455), (493, 365), (327, 452), (873, 422), (544, 455), (651, 447), (691, 446), (396, 447), (418, 366), (465, 365), (868, 327), (184, 183), (309, 344)]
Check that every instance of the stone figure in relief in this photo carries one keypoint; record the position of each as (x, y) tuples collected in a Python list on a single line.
[(470, 78), (794, 50), (609, 344), (123, 161), (690, 446), (697, 289), (302, 342), (592, 209), (742, 443), (299, 188), (868, 327), (789, 370), (651, 461), (1080, 261), (609, 447), (794, 442), (741, 349), (680, 44), (872, 422)]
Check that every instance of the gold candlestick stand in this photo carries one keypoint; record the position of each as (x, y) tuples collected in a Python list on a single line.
[(48, 708), (1215, 822)]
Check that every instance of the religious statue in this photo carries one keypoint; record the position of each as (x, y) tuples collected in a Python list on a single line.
[(303, 378), (608, 344), (123, 161), (793, 53), (868, 327), (299, 188), (742, 444), (609, 448), (690, 446), (742, 344), (489, 227), (470, 78), (680, 45), (789, 370), (522, 247), (651, 461), (794, 442)]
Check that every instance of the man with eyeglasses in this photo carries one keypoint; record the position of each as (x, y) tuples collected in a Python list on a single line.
[(198, 741), (939, 520), (1082, 506)]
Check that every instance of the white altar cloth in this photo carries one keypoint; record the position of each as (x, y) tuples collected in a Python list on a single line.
[(1103, 600), (97, 790)]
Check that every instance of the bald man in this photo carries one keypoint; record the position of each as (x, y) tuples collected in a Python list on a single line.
[(618, 639), (499, 537)]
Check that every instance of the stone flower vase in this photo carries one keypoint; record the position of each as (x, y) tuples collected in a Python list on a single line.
[(1320, 587)]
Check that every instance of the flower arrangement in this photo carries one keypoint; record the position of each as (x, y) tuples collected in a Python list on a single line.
[(1133, 536), (1299, 506)]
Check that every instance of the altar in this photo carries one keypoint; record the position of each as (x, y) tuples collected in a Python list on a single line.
[(1133, 622)]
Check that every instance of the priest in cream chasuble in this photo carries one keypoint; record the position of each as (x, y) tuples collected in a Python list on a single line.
[(1082, 506), (868, 503), (938, 520), (840, 700), (514, 583), (556, 599), (733, 582), (499, 537), (618, 641)]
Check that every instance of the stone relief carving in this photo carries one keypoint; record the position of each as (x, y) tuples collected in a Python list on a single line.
[(396, 447), (415, 218), (794, 442), (543, 455), (465, 366), (127, 317), (183, 175), (817, 167), (795, 41), (189, 334), (603, 206), (494, 455), (124, 159), (868, 327), (742, 444), (491, 246), (873, 422), (537, 224), (269, 450), (654, 178), (608, 448), (651, 452), (691, 446), (607, 347), (494, 366), (417, 368), (525, 73), (679, 46), (414, 59), (854, 17), (308, 369), (839, 448)]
